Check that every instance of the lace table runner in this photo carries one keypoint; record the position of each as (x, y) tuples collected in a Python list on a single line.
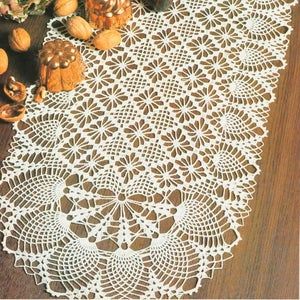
[(135, 184)]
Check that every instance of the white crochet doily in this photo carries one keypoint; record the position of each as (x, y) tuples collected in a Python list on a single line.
[(135, 184)]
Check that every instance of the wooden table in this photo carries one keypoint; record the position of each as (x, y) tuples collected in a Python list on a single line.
[(265, 263)]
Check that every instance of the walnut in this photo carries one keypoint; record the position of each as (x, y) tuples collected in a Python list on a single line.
[(61, 67), (3, 61), (79, 28), (107, 39), (19, 40), (64, 8)]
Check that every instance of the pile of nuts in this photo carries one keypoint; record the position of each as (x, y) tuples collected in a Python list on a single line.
[(19, 41), (106, 15), (81, 29)]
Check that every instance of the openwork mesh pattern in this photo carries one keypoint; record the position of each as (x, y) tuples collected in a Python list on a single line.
[(136, 183)]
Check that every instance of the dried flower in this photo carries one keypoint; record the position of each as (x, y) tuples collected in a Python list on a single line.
[(20, 10)]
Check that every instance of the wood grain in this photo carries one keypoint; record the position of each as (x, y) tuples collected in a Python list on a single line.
[(266, 261)]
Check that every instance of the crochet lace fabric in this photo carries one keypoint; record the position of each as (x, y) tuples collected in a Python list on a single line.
[(135, 184)]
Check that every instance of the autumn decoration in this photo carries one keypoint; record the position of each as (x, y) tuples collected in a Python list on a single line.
[(108, 14), (61, 66)]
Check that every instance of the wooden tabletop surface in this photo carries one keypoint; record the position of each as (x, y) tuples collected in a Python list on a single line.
[(266, 261)]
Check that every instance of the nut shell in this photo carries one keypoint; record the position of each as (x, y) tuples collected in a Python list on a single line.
[(12, 112), (79, 28), (107, 39), (64, 8), (40, 94), (15, 90), (19, 40), (3, 61)]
